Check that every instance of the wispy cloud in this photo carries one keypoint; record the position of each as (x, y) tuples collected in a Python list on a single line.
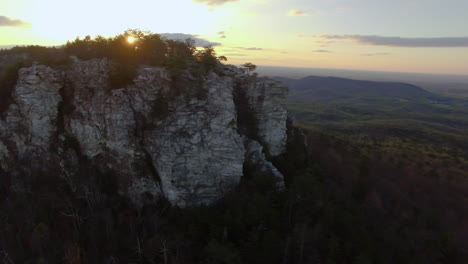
[(213, 3), (11, 22), (222, 34), (376, 54), (251, 48), (442, 42), (236, 54), (319, 40), (322, 51), (199, 42), (297, 12)]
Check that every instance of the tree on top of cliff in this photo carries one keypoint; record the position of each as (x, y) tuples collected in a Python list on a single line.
[(144, 47), (127, 50), (132, 47), (249, 67), (208, 59)]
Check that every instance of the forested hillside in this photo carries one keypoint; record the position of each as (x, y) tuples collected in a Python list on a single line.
[(400, 120), (412, 144)]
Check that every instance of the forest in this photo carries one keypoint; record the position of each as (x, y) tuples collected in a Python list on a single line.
[(340, 206)]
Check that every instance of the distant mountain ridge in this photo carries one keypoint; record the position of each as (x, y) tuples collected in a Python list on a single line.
[(323, 89), (376, 109)]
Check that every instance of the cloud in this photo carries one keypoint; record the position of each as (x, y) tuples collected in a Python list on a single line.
[(214, 2), (199, 42), (323, 51), (11, 22), (376, 54), (252, 48), (236, 54), (296, 12), (319, 40), (343, 10), (222, 34), (444, 42)]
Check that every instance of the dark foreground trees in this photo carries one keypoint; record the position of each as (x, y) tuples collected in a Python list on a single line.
[(322, 217)]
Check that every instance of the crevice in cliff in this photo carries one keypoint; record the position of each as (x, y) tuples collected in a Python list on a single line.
[(160, 107), (140, 126), (247, 121), (154, 171), (5, 183), (65, 108), (8, 81), (296, 156)]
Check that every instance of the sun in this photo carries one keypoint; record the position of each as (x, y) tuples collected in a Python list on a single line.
[(130, 39)]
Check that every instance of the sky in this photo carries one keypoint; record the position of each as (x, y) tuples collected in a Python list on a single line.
[(426, 36)]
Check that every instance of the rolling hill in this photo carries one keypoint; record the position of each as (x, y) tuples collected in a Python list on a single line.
[(329, 89), (370, 111)]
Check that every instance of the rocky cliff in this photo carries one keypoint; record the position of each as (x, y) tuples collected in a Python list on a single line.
[(186, 141)]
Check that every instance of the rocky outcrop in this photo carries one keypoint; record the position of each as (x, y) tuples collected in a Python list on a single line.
[(266, 98), (196, 149), (29, 124), (155, 142), (109, 124)]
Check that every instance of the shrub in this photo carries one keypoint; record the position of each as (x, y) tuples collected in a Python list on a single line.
[(50, 56), (181, 59), (71, 142), (178, 56), (207, 59), (148, 48), (121, 75), (160, 109)]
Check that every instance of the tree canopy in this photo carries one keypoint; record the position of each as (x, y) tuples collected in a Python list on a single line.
[(145, 48), (249, 67)]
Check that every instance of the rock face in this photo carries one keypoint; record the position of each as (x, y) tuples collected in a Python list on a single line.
[(256, 159), (196, 149), (30, 123), (185, 146)]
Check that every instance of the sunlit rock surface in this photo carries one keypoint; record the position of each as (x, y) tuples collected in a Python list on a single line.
[(267, 98), (184, 146), (28, 126)]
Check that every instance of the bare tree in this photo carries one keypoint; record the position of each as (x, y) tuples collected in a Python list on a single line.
[(164, 250)]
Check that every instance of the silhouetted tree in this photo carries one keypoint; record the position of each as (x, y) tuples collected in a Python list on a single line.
[(249, 67)]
